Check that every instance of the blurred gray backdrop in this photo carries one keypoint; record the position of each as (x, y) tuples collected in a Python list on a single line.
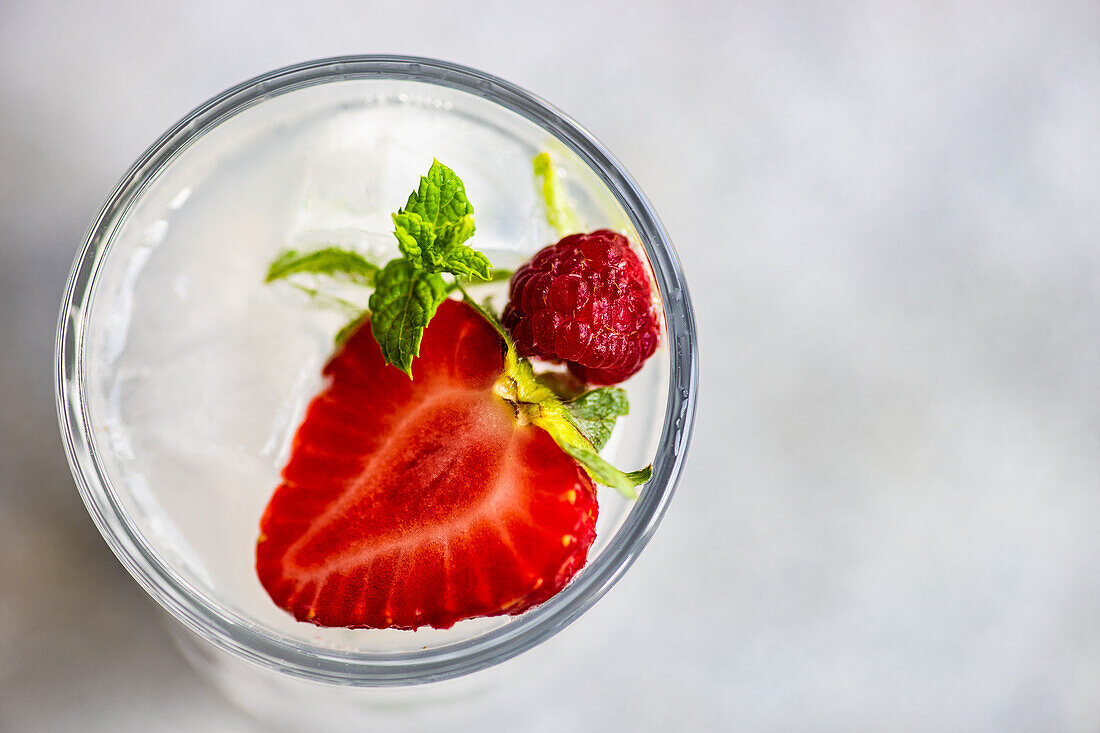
[(889, 217)]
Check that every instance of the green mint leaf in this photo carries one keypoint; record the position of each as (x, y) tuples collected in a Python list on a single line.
[(463, 261), (440, 199), (403, 302), (594, 413), (559, 214), (460, 259), (415, 239), (331, 261), (453, 234)]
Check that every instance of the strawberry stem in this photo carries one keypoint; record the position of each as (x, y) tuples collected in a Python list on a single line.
[(536, 404)]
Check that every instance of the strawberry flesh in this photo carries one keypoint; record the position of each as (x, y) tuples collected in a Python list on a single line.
[(423, 502)]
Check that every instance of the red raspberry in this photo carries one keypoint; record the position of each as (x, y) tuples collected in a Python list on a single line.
[(585, 301)]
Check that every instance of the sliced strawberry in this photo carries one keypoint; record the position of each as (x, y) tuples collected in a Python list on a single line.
[(422, 502)]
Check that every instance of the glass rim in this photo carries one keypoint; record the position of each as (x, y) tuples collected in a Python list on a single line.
[(232, 633)]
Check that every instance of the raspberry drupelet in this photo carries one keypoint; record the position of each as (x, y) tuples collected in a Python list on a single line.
[(586, 301)]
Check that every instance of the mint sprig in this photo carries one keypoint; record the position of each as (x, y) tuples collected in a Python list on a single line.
[(430, 232)]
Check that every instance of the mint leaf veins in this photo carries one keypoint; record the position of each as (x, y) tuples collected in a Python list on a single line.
[(403, 302)]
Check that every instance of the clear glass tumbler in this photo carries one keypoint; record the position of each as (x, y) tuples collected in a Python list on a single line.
[(181, 377)]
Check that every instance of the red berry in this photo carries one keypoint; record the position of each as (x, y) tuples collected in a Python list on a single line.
[(422, 502), (585, 301)]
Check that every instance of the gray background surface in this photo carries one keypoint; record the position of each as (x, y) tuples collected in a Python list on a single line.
[(890, 222)]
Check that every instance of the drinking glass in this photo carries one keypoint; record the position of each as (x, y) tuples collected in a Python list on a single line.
[(181, 376)]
